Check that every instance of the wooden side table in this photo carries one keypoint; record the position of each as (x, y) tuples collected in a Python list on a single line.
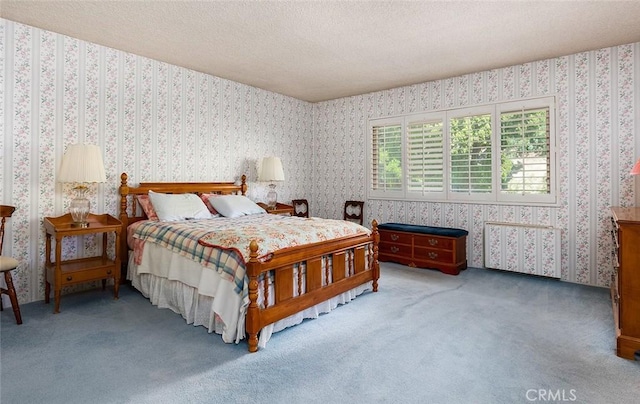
[(80, 270), (280, 209)]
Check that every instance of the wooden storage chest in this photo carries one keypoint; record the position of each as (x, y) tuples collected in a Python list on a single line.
[(439, 248)]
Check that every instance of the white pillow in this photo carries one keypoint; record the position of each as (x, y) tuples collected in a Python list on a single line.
[(171, 207), (235, 205)]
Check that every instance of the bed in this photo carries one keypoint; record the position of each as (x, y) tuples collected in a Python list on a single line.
[(256, 291)]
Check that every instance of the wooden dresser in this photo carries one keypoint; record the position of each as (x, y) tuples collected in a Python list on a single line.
[(439, 248), (625, 280)]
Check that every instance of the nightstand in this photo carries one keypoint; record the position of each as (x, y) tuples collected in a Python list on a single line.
[(280, 209), (68, 272)]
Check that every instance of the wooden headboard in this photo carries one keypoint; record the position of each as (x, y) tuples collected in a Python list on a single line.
[(131, 212)]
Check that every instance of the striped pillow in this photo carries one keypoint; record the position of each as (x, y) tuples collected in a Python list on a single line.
[(205, 199), (147, 207)]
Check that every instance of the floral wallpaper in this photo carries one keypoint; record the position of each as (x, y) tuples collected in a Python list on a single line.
[(154, 121), (159, 122), (596, 115)]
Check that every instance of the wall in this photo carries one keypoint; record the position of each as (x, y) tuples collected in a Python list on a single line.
[(154, 121), (598, 108), (159, 122)]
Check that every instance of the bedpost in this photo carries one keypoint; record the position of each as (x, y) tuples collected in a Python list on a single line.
[(376, 263), (243, 184), (252, 321), (124, 219)]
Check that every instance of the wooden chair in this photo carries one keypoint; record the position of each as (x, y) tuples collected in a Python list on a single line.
[(354, 211), (8, 264), (300, 207)]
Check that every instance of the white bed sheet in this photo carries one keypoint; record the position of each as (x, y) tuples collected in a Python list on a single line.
[(203, 297)]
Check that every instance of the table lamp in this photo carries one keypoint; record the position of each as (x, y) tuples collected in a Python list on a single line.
[(82, 165), (271, 171)]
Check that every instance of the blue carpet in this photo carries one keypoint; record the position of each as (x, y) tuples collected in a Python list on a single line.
[(480, 337)]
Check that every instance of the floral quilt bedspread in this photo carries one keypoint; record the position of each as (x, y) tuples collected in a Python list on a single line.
[(223, 243), (273, 232)]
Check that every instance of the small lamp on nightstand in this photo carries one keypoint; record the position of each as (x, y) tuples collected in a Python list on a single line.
[(81, 164), (271, 171)]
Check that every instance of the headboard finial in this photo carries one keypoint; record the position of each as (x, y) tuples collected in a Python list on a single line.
[(243, 184)]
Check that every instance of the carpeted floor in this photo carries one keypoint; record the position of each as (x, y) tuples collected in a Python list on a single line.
[(480, 337)]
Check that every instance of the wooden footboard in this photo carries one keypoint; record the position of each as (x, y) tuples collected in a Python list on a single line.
[(353, 261)]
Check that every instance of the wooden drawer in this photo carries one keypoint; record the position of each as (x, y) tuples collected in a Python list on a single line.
[(433, 242), (83, 270), (86, 276), (395, 249), (615, 292), (395, 237), (429, 254)]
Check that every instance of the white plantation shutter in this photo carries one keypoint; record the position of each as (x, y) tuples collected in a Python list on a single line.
[(471, 166), (500, 153), (526, 151), (425, 157), (386, 159), (524, 142)]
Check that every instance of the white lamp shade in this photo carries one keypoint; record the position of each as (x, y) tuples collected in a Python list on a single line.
[(271, 169), (82, 163)]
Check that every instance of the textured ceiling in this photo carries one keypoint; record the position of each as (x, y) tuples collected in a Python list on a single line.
[(321, 50)]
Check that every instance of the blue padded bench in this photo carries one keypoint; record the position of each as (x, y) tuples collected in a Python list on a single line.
[(441, 248)]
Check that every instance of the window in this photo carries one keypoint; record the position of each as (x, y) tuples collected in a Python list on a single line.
[(471, 154), (425, 155), (525, 151), (500, 153), (386, 159)]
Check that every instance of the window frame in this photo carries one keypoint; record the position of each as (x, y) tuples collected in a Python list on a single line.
[(382, 194), (496, 196), (462, 113), (423, 118), (532, 104)]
